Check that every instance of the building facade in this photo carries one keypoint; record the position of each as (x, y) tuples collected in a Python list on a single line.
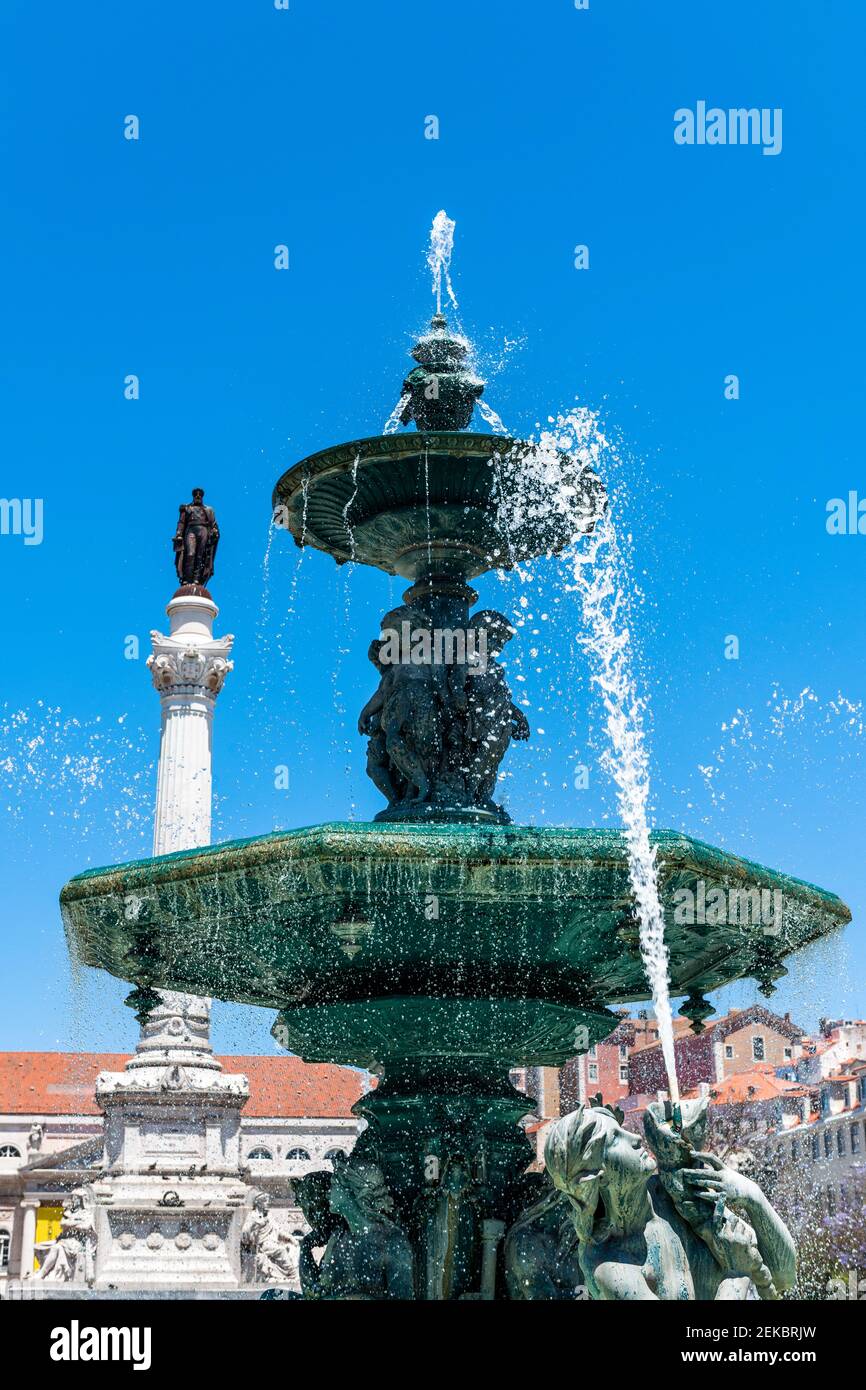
[(735, 1043), (52, 1136)]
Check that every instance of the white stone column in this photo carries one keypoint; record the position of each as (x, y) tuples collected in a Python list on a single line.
[(188, 668), (167, 1112), (30, 1206)]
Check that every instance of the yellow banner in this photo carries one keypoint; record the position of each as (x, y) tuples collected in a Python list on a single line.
[(47, 1226)]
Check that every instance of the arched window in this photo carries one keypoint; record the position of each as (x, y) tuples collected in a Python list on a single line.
[(334, 1155), (298, 1156), (9, 1151), (260, 1153), (5, 1244)]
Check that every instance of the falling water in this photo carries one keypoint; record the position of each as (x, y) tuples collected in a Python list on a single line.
[(59, 772), (394, 421), (597, 574), (439, 257), (348, 507), (492, 419)]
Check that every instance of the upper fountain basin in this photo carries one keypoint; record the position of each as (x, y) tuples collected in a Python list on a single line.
[(420, 503), (380, 941)]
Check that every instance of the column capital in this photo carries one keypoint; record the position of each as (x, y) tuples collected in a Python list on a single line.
[(189, 666), (188, 660)]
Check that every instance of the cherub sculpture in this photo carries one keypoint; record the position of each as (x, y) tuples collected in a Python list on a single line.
[(492, 718), (369, 1255)]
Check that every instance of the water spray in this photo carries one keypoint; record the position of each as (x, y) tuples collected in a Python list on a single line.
[(439, 257)]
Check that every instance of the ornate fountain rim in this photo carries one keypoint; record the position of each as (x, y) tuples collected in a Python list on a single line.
[(336, 457), (451, 844)]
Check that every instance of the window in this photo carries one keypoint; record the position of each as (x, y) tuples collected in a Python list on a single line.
[(5, 1243), (758, 1049), (840, 1141), (334, 1155), (593, 1051), (828, 1143), (729, 1052), (298, 1156), (795, 1150), (593, 1071), (788, 1054), (623, 1074), (9, 1151), (855, 1138), (260, 1154), (623, 1053), (816, 1148), (831, 1201)]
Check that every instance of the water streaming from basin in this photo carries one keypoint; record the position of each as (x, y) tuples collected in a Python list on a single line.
[(597, 574)]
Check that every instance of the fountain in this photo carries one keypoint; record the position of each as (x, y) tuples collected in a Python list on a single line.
[(441, 945)]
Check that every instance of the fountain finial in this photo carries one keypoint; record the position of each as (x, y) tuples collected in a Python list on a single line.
[(441, 390)]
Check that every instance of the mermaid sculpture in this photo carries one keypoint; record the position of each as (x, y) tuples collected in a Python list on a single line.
[(664, 1230)]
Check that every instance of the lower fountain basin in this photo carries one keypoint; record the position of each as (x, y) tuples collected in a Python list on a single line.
[(379, 942)]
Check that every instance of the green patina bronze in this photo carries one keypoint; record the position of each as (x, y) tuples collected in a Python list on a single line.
[(382, 943), (443, 946), (439, 958)]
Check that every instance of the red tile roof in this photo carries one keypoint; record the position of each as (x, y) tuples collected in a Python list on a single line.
[(61, 1083), (761, 1083)]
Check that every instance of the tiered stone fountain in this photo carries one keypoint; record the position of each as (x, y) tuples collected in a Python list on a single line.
[(441, 945)]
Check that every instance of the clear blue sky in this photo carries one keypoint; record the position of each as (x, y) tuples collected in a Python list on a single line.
[(306, 127)]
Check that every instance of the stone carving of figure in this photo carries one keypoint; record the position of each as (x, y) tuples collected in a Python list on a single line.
[(441, 720), (369, 1255), (541, 1252), (275, 1253), (70, 1258), (705, 1192), (382, 773), (195, 541), (35, 1137), (313, 1194), (492, 719), (405, 716), (634, 1242), (449, 1233)]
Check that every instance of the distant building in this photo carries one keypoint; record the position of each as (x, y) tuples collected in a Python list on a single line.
[(51, 1133), (735, 1043), (819, 1163), (605, 1067), (839, 1041)]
